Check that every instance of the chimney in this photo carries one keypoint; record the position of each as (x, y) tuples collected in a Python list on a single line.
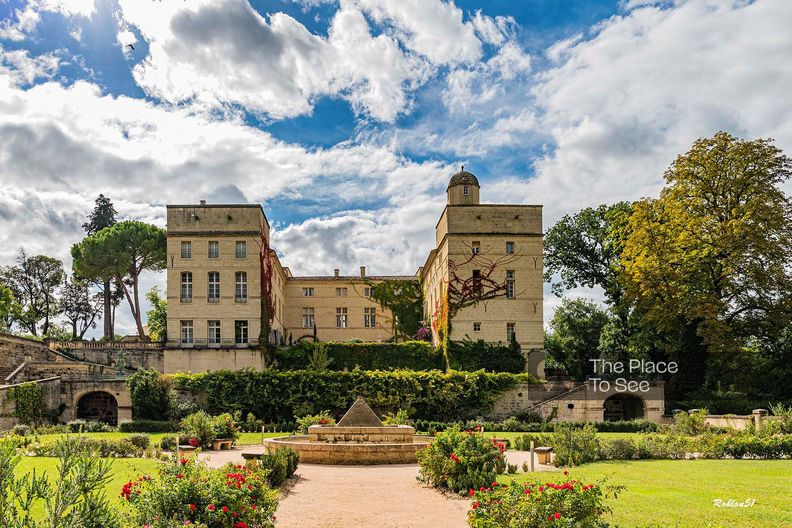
[(335, 272), (362, 272)]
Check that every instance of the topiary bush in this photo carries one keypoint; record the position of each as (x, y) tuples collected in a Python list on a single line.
[(459, 461), (534, 504)]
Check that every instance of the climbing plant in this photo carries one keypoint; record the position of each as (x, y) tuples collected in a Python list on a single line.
[(29, 402), (441, 324), (267, 300)]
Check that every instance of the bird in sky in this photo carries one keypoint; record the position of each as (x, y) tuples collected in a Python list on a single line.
[(131, 46)]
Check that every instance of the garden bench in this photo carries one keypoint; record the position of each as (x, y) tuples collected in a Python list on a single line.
[(543, 454), (222, 443)]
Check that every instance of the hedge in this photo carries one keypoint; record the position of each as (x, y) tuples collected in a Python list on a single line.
[(472, 355), (274, 395), (148, 426), (514, 425), (413, 355)]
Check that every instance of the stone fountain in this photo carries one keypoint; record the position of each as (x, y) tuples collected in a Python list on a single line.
[(359, 438)]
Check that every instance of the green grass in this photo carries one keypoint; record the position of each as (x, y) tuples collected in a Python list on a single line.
[(680, 493), (244, 438), (124, 469)]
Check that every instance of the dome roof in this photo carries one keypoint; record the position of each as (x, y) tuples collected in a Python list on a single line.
[(463, 177)]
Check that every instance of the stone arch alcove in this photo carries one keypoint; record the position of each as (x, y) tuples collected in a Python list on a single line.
[(623, 407), (98, 406)]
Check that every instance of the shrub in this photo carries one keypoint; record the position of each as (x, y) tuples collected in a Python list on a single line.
[(21, 430), (531, 505), (460, 461), (413, 355), (619, 449), (323, 418), (399, 418), (277, 396), (471, 356), (53, 429), (81, 426), (199, 426), (523, 442), (188, 492), (101, 447), (691, 424), (281, 465), (178, 407), (28, 402), (139, 440), (224, 427), (148, 426), (149, 393), (72, 497), (251, 424), (574, 446)]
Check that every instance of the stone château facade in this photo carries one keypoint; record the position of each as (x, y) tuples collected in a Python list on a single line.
[(219, 255)]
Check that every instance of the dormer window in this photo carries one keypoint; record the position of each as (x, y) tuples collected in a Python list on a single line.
[(466, 190)]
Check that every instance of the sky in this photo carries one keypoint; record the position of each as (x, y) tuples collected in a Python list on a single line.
[(345, 119)]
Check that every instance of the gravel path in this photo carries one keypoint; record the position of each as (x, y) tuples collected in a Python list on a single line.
[(387, 496)]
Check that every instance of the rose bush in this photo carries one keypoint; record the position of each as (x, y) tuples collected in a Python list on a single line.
[(459, 461), (186, 493), (569, 504)]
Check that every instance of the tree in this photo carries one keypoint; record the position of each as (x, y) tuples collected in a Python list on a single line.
[(34, 283), (104, 216), (121, 253), (585, 250), (7, 308), (157, 316), (404, 299), (712, 254), (576, 328), (81, 308), (148, 391)]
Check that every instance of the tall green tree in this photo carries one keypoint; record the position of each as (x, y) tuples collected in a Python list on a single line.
[(103, 216), (404, 299), (81, 307), (7, 306), (584, 249), (712, 254), (574, 336), (157, 315), (122, 253), (34, 282)]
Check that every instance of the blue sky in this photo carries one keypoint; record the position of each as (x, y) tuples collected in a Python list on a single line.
[(346, 118)]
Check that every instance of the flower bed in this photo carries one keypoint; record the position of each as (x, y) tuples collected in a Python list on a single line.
[(570, 504)]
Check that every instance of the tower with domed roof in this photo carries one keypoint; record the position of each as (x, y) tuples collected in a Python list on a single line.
[(498, 246)]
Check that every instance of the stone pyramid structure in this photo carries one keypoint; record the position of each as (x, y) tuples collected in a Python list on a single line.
[(360, 415)]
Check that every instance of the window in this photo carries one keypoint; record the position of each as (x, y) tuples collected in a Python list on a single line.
[(341, 317), (476, 247), (370, 317), (214, 286), (214, 249), (308, 292), (509, 247), (187, 332), (510, 333), (214, 332), (186, 286), (477, 327), (308, 317), (341, 292), (510, 284), (241, 293), (241, 249), (240, 332), (477, 280), (186, 250), (466, 190), (368, 292)]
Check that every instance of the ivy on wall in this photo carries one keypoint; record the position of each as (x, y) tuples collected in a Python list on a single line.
[(29, 402)]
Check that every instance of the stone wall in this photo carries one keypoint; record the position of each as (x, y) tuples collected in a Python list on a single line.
[(575, 402), (16, 350), (137, 356), (206, 359), (51, 396)]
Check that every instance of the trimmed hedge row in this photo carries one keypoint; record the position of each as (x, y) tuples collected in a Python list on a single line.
[(516, 426), (413, 355), (273, 395), (148, 426)]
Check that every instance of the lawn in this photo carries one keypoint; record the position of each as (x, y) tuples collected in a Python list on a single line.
[(124, 469), (680, 493), (244, 438)]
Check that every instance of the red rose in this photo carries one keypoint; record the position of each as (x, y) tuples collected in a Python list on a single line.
[(211, 507), (566, 472), (225, 509), (557, 515), (192, 507)]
